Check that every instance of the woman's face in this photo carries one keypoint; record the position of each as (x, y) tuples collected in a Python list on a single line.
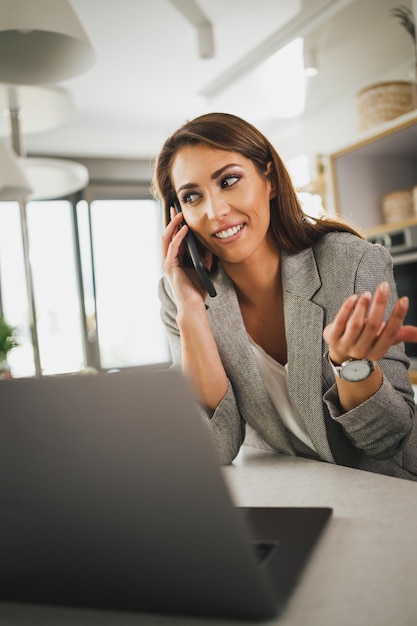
[(224, 200)]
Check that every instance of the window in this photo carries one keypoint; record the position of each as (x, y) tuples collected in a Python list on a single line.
[(58, 307), (122, 280), (95, 269), (14, 296)]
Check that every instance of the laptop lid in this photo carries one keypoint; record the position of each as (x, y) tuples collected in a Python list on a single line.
[(111, 497)]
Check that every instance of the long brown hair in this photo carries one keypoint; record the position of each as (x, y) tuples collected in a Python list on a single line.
[(290, 226)]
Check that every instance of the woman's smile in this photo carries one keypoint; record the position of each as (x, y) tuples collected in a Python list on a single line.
[(229, 233)]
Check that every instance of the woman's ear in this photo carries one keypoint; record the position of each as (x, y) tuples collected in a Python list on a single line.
[(269, 176)]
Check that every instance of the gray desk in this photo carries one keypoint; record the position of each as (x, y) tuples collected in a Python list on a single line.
[(364, 572)]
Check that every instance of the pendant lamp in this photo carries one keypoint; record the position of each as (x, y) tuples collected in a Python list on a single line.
[(29, 108), (53, 178), (40, 107), (41, 42), (14, 184)]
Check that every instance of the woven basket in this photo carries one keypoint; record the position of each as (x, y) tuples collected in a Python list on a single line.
[(398, 206), (382, 102)]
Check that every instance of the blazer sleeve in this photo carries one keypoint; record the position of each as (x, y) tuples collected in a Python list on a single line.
[(381, 425), (225, 425)]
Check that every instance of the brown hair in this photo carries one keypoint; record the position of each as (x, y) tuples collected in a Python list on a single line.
[(290, 226)]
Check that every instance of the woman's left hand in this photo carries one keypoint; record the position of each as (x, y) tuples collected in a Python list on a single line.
[(359, 330)]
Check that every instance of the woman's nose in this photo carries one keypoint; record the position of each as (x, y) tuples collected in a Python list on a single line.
[(217, 208)]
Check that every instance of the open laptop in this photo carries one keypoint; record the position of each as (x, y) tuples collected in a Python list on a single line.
[(111, 497)]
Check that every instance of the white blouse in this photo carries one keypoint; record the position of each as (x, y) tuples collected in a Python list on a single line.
[(275, 377)]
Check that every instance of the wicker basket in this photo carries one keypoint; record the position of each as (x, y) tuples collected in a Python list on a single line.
[(398, 206), (382, 102)]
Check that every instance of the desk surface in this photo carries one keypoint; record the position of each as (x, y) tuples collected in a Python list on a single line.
[(363, 572)]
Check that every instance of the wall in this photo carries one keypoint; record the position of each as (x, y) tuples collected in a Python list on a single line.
[(331, 128)]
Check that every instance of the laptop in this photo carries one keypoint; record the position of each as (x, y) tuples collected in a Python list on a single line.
[(112, 497)]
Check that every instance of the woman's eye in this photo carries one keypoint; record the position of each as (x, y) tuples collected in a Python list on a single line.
[(189, 198), (229, 181)]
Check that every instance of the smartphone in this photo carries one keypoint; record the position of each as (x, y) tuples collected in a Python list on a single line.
[(196, 259)]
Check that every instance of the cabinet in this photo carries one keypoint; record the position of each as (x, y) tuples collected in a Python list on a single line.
[(382, 161)]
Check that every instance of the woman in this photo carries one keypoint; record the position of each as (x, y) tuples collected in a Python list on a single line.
[(298, 300)]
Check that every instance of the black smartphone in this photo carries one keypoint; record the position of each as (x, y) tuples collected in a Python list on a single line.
[(196, 259)]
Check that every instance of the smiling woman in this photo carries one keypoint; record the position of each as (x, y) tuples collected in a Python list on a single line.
[(254, 354)]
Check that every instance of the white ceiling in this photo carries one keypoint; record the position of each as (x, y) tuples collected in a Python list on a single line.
[(148, 77)]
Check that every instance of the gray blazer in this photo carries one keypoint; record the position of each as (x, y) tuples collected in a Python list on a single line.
[(380, 435)]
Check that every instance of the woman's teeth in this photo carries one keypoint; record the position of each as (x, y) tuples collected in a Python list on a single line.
[(224, 234)]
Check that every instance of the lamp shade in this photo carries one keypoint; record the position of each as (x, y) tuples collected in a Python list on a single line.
[(53, 178), (41, 42), (40, 107), (14, 184)]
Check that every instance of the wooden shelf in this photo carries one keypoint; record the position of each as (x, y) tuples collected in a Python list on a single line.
[(379, 163), (385, 228)]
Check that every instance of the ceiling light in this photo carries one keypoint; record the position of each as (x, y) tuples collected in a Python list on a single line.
[(310, 62), (205, 40), (42, 42), (40, 107), (53, 178), (14, 184), (36, 108)]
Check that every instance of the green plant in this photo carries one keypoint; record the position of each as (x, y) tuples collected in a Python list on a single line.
[(8, 340), (406, 19)]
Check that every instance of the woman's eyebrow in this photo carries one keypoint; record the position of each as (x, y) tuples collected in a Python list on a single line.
[(214, 176), (187, 186), (220, 171)]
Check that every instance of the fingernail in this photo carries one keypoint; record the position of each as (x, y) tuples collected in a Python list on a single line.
[(384, 287), (404, 301)]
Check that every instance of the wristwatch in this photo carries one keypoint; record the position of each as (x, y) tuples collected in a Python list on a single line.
[(352, 370)]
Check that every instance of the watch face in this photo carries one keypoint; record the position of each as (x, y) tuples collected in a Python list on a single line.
[(354, 371)]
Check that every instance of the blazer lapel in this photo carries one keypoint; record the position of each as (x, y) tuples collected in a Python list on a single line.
[(304, 328), (232, 340)]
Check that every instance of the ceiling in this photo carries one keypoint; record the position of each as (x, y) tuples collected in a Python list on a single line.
[(149, 77)]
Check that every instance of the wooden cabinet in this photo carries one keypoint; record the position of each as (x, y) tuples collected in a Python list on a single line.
[(381, 162)]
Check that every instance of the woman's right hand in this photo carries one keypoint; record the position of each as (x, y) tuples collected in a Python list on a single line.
[(184, 281), (201, 362)]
